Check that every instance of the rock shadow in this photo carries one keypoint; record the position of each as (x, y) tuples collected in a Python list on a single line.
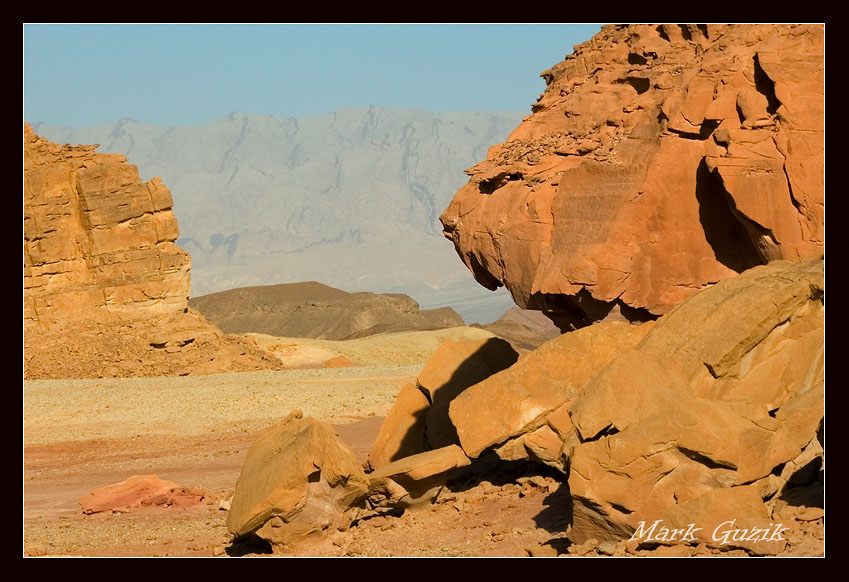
[(493, 356), (558, 513), (247, 545), (725, 234)]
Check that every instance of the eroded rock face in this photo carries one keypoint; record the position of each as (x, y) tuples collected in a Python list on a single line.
[(98, 242), (659, 160), (707, 415), (105, 287)]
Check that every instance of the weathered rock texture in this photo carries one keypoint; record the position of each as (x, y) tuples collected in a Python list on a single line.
[(315, 310), (298, 480), (658, 161), (105, 287), (700, 417), (98, 242)]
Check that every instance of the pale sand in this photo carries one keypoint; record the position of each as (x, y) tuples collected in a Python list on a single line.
[(87, 409)]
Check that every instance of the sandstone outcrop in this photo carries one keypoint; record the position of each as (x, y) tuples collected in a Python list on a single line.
[(658, 161), (418, 421), (98, 242), (141, 491), (105, 287), (705, 416), (314, 310)]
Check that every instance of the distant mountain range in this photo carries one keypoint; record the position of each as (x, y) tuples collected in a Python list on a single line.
[(350, 198)]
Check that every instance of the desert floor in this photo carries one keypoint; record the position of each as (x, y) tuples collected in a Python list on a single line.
[(83, 434)]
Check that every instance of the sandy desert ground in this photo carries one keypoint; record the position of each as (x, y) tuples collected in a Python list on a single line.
[(83, 434), (195, 430)]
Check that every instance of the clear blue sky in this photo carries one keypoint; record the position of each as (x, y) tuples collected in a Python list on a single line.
[(182, 74)]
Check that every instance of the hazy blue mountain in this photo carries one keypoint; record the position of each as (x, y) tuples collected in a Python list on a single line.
[(350, 198)]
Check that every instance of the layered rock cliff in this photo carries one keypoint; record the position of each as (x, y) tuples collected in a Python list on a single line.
[(105, 287), (98, 242), (658, 161)]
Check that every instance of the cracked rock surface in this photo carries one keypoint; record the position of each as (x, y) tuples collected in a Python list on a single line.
[(659, 160)]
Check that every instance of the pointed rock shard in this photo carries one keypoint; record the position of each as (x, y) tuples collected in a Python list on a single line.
[(453, 368)]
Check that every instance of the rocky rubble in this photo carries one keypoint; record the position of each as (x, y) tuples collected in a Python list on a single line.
[(300, 481), (701, 429), (105, 287), (659, 160)]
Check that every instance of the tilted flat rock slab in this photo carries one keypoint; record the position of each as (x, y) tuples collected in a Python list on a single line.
[(416, 479)]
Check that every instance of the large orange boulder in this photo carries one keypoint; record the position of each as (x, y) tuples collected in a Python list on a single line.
[(658, 161)]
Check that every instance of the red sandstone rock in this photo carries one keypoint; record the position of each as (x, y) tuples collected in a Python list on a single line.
[(339, 362), (659, 160), (140, 491)]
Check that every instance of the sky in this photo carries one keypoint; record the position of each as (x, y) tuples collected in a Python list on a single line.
[(79, 75)]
